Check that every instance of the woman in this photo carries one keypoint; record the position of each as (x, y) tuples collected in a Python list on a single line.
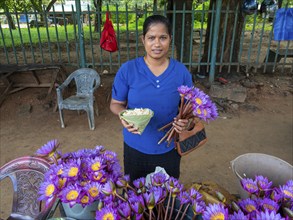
[(151, 82)]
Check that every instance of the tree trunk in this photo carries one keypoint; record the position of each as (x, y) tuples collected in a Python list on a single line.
[(9, 19), (229, 34), (50, 5), (280, 2), (185, 53), (98, 6)]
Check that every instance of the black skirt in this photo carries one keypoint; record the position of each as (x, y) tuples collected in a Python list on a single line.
[(138, 164)]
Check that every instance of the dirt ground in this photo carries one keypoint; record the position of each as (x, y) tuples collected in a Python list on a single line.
[(262, 124)]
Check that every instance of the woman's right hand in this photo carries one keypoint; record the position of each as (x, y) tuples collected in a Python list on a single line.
[(129, 127)]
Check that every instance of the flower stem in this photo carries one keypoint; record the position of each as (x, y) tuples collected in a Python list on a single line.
[(171, 212), (150, 214), (171, 134), (187, 107), (181, 105), (167, 208), (120, 197), (165, 136), (185, 210), (181, 205), (165, 126)]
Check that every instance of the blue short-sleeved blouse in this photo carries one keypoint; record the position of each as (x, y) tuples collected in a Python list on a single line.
[(136, 84)]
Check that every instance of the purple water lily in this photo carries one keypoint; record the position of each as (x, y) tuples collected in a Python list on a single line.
[(184, 90), (124, 210), (248, 205), (215, 211), (268, 204), (49, 150), (149, 199), (268, 215), (158, 179), (263, 183), (47, 191), (70, 194), (139, 183), (94, 190), (198, 207), (286, 192), (249, 185), (123, 181), (238, 216), (107, 213)]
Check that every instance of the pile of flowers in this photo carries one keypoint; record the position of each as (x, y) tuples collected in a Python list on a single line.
[(89, 175), (77, 177), (265, 201), (194, 103)]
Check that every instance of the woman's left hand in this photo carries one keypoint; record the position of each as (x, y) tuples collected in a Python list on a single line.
[(181, 125)]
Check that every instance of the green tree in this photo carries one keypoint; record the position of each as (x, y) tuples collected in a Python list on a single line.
[(39, 6), (12, 5)]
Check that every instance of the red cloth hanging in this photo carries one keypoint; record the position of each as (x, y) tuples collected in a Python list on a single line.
[(108, 37)]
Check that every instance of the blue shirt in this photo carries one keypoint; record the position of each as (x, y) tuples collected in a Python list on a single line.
[(140, 88)]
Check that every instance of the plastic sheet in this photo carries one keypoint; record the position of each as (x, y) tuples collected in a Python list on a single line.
[(283, 24)]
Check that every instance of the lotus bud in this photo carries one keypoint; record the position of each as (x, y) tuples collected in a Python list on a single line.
[(288, 212), (221, 197), (235, 207)]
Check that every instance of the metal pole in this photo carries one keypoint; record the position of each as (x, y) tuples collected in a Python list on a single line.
[(80, 34), (215, 41)]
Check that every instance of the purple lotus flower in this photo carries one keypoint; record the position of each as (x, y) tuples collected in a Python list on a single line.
[(215, 211), (70, 194), (198, 207), (72, 169), (286, 192), (149, 199), (249, 185), (139, 183), (268, 215), (238, 216), (184, 197), (109, 188), (248, 205), (93, 189), (94, 164), (194, 194), (289, 183), (100, 149), (263, 183), (158, 179), (84, 198), (47, 191), (268, 204), (173, 185), (49, 149), (184, 90), (107, 213), (136, 203), (124, 210), (123, 181)]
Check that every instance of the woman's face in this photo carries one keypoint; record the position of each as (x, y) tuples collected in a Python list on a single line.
[(157, 41)]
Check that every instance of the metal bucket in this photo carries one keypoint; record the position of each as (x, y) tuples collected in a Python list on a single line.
[(251, 164)]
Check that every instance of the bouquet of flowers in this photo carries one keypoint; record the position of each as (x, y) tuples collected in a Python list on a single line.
[(194, 103), (77, 177), (139, 117)]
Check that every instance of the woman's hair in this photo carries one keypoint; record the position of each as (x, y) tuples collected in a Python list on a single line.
[(156, 19)]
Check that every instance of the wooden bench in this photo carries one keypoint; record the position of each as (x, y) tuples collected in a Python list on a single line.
[(278, 55), (7, 71)]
